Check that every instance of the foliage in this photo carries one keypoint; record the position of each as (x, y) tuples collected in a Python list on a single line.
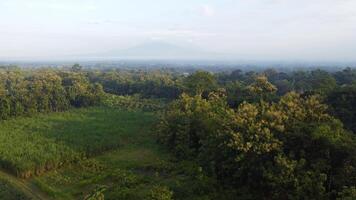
[(262, 87), (133, 103), (348, 193), (160, 193), (9, 192), (342, 103), (290, 149), (158, 84), (40, 91), (97, 194), (242, 135), (346, 76), (302, 81), (200, 82)]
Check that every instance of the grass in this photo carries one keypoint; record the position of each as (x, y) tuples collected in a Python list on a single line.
[(113, 149), (34, 145), (131, 171), (9, 192)]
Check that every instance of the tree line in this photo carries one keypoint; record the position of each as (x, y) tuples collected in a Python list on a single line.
[(25, 92)]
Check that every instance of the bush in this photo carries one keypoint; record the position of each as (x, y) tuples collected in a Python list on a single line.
[(133, 103), (161, 193), (97, 194), (348, 193)]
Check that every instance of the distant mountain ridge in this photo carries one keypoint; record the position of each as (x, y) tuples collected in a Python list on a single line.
[(157, 50)]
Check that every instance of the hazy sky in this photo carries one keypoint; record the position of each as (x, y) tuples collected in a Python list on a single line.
[(249, 29)]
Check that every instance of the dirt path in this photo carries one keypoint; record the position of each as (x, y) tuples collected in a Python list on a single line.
[(28, 189)]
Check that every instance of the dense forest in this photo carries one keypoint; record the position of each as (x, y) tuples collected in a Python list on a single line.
[(232, 134)]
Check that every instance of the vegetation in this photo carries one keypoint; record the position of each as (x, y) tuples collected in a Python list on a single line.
[(34, 145), (79, 133), (29, 92), (138, 169), (342, 103), (289, 149), (156, 84), (9, 192), (133, 103)]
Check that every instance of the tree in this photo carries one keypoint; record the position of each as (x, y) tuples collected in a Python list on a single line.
[(261, 89), (346, 76), (200, 82), (160, 193), (342, 103), (77, 68), (283, 86), (290, 149), (322, 82)]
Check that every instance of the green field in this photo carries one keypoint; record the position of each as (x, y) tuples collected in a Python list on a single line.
[(96, 148), (34, 145)]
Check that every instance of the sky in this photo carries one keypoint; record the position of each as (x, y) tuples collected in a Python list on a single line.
[(243, 29)]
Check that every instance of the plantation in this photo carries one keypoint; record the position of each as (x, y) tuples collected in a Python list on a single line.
[(34, 145)]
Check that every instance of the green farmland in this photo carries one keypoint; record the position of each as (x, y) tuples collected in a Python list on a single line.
[(34, 145), (70, 155)]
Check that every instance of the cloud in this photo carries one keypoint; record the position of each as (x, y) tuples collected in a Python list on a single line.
[(207, 10)]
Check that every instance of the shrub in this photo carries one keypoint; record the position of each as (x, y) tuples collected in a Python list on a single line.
[(161, 193)]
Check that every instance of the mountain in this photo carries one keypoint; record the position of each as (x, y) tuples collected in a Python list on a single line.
[(157, 50)]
